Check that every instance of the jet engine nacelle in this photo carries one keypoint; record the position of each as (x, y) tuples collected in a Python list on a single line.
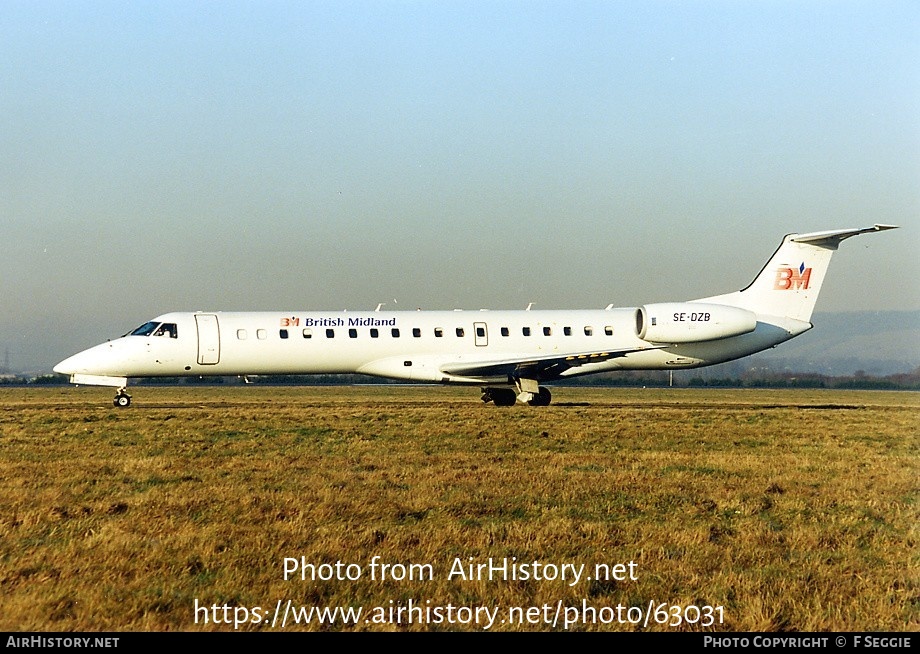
[(691, 322)]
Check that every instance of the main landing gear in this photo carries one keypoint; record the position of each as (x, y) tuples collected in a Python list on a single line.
[(525, 390), (542, 398), (500, 396), (122, 399)]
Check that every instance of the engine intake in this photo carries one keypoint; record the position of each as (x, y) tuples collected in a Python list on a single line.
[(691, 322)]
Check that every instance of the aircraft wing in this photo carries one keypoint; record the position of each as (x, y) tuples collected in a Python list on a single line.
[(540, 368)]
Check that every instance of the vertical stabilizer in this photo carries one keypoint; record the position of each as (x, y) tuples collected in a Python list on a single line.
[(789, 284)]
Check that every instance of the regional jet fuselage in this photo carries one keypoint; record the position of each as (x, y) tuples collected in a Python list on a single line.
[(510, 354)]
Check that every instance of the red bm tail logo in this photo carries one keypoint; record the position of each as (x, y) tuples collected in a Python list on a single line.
[(792, 279)]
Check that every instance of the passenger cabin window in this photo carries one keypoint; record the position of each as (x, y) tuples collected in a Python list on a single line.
[(505, 331), (567, 331), (460, 332), (526, 331), (481, 332), (395, 332), (308, 333), (608, 330), (416, 332), (589, 331), (283, 333), (438, 332), (261, 334), (547, 331), (241, 334), (330, 333), (375, 333), (352, 333)]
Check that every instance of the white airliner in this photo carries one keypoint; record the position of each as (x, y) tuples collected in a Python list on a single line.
[(508, 353)]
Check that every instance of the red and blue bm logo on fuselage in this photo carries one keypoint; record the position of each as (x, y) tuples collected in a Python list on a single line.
[(792, 279)]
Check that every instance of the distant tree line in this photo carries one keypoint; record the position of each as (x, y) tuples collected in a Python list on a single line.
[(756, 378), (760, 378)]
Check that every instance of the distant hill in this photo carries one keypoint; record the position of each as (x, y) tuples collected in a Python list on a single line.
[(876, 342)]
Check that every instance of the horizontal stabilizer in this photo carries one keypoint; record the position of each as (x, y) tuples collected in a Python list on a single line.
[(831, 239)]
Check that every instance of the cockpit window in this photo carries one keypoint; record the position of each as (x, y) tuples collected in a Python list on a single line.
[(157, 329), (167, 329), (145, 330)]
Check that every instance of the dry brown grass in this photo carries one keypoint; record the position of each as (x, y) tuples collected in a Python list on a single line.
[(793, 510)]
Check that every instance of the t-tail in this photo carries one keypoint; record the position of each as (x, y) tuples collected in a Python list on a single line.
[(789, 283)]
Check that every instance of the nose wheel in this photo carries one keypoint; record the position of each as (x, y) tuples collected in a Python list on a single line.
[(122, 399)]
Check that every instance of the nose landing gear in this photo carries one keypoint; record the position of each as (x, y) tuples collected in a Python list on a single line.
[(122, 399)]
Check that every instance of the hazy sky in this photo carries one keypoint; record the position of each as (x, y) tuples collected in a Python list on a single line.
[(163, 156)]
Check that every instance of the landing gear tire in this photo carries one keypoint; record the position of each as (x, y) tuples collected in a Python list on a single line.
[(500, 396), (509, 396), (504, 397), (542, 398), (122, 399)]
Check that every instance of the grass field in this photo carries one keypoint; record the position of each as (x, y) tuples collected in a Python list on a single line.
[(777, 510)]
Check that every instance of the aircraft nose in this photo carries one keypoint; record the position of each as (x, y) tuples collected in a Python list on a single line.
[(69, 365), (91, 361)]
